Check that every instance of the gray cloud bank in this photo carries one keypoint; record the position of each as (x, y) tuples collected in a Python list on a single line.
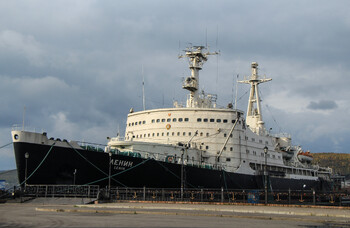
[(76, 65), (322, 105)]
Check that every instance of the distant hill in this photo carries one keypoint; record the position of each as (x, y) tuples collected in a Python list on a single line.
[(10, 176), (340, 163)]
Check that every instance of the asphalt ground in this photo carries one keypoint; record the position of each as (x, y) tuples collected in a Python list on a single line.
[(168, 215)]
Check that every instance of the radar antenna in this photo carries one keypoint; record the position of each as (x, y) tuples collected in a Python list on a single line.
[(196, 58)]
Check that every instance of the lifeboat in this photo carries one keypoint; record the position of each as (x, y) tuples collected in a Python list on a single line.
[(287, 152), (305, 157)]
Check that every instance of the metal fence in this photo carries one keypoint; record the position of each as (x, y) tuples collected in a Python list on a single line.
[(305, 197), (88, 191), (231, 196)]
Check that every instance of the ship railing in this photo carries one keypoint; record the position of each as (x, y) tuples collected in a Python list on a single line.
[(92, 146), (279, 135), (18, 127)]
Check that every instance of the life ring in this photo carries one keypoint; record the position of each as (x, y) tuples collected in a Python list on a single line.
[(168, 126), (170, 159)]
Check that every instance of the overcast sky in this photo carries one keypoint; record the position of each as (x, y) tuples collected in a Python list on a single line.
[(77, 65)]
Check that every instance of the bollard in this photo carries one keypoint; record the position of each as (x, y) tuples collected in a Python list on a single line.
[(222, 194), (144, 193), (288, 196)]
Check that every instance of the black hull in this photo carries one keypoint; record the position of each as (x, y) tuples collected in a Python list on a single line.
[(93, 168)]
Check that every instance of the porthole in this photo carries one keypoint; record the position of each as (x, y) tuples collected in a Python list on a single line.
[(15, 136)]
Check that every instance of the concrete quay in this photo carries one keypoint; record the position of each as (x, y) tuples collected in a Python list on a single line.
[(65, 213), (317, 211)]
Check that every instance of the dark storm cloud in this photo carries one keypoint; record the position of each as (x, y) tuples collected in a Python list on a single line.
[(322, 105), (76, 65)]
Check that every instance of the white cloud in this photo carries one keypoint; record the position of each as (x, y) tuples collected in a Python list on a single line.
[(15, 43)]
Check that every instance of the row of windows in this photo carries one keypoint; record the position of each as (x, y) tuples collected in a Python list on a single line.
[(215, 120), (182, 120), (253, 140), (137, 123), (170, 120), (262, 154), (184, 134), (169, 134)]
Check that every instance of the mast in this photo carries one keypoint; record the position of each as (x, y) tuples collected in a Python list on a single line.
[(196, 59), (254, 117)]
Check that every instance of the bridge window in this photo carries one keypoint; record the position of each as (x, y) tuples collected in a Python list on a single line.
[(163, 120), (174, 119), (212, 120), (199, 120), (180, 119), (168, 120), (153, 121), (186, 119), (205, 120), (158, 120), (218, 120), (225, 121)]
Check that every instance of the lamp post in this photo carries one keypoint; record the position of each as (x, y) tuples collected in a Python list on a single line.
[(182, 174), (74, 177), (265, 172), (26, 155), (109, 175)]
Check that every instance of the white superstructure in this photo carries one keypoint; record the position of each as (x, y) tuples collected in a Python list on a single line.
[(207, 136)]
